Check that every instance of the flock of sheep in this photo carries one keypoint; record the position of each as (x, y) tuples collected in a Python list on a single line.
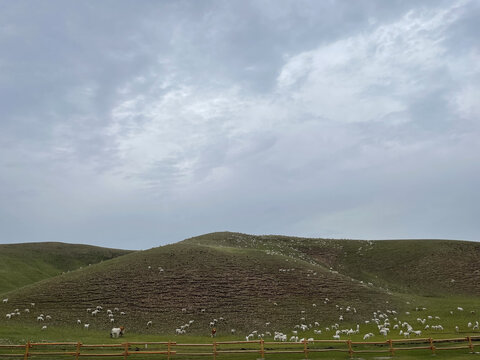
[(381, 323)]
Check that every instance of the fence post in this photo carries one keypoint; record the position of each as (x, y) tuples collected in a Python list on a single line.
[(470, 345), (27, 348), (125, 354), (168, 350), (390, 343), (262, 348), (214, 350), (305, 349), (77, 354), (350, 350), (432, 347)]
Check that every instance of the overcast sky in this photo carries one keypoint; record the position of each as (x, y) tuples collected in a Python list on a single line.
[(133, 124)]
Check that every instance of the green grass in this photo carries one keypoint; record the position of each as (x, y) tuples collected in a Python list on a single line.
[(24, 264), (251, 280), (22, 334)]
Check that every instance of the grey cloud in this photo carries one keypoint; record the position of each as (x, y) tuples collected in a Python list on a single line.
[(159, 121)]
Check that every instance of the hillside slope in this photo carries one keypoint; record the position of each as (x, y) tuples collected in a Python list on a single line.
[(244, 286), (251, 280), (422, 267), (27, 263)]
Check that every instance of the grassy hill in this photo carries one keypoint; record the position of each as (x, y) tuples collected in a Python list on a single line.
[(23, 264), (247, 282)]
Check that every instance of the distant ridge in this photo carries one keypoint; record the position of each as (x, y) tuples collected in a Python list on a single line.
[(26, 263)]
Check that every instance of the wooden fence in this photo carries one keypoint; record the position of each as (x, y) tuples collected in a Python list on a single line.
[(226, 349)]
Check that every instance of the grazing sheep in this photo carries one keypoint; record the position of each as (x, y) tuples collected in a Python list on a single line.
[(85, 326), (79, 321), (150, 323), (5, 300), (44, 327), (117, 332)]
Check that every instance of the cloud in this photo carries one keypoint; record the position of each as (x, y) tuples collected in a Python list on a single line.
[(315, 119)]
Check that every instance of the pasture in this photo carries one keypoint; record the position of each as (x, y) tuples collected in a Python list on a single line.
[(291, 294)]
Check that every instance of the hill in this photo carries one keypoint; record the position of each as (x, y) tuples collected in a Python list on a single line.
[(27, 263), (247, 281)]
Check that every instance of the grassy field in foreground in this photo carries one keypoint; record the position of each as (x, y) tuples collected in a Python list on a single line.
[(21, 334)]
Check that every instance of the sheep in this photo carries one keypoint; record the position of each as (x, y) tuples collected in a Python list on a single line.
[(150, 323), (86, 326), (5, 300), (40, 318), (117, 332), (79, 321), (9, 316), (44, 327)]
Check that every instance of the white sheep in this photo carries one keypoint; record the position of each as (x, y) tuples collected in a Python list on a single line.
[(86, 326), (149, 323), (5, 300), (117, 332), (44, 327)]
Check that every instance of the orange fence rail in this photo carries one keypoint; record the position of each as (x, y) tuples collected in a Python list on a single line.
[(172, 350)]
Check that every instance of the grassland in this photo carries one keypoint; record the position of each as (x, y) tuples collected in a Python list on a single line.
[(24, 264), (258, 283)]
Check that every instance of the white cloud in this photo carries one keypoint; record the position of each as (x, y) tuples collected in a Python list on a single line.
[(372, 75)]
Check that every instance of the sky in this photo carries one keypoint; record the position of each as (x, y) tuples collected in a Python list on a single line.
[(133, 124)]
